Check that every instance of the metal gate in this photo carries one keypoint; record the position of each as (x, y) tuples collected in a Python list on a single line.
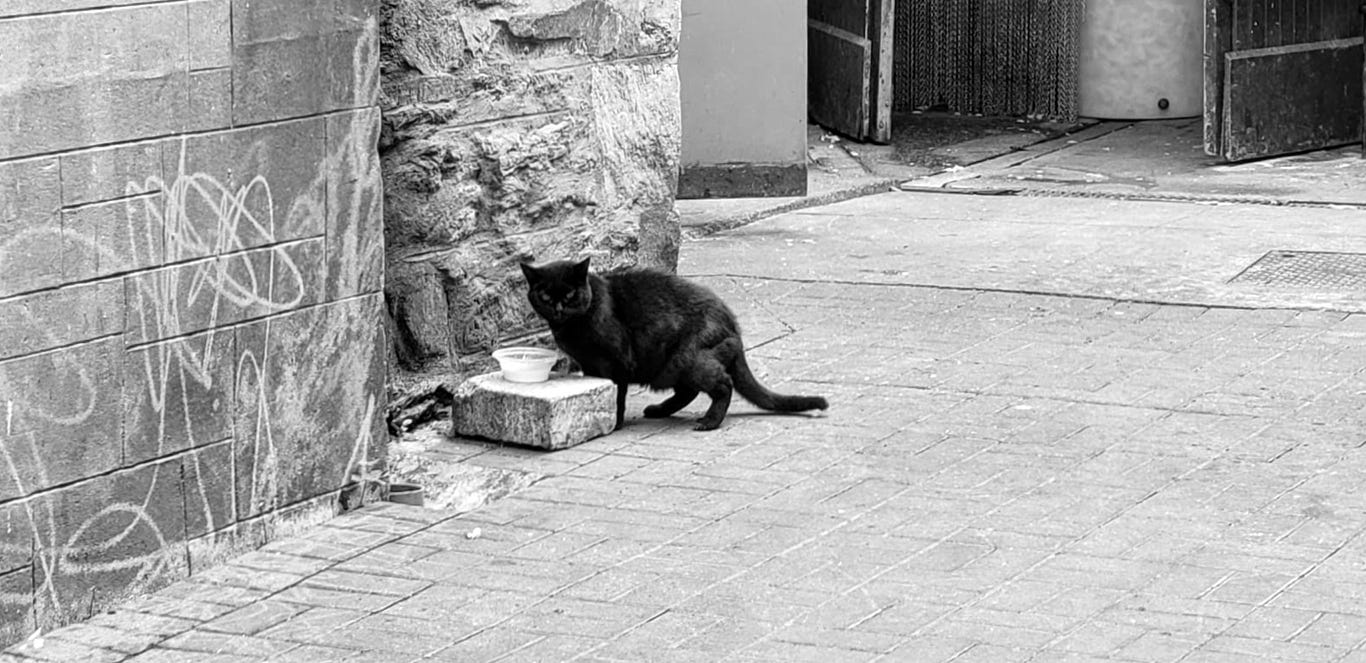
[(849, 57), (1282, 76)]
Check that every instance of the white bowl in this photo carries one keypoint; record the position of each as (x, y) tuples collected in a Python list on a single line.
[(525, 364)]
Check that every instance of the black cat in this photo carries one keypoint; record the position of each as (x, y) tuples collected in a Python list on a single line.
[(647, 327)]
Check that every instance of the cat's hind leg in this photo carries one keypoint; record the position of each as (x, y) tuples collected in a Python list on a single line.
[(720, 404), (679, 400), (714, 380)]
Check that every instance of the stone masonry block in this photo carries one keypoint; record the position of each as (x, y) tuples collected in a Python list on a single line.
[(210, 103), (196, 296), (30, 226), (59, 416), (16, 605), (210, 34), (209, 489), (244, 188), (104, 239), (54, 318), (178, 394), (96, 111), (109, 173), (105, 539), (16, 548), (556, 414), (30, 191), (133, 86), (134, 42), (294, 58), (306, 406), (355, 191)]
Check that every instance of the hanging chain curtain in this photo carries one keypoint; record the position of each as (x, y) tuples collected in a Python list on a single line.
[(994, 57)]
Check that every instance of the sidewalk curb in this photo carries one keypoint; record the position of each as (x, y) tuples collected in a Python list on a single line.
[(881, 185)]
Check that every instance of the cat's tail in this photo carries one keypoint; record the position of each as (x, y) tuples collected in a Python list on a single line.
[(761, 396)]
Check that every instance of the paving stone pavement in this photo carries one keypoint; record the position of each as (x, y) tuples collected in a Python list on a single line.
[(1001, 477)]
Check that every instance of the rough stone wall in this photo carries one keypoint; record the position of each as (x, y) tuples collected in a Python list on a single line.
[(519, 130), (192, 346)]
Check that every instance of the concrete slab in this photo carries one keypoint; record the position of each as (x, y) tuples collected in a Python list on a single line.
[(555, 414)]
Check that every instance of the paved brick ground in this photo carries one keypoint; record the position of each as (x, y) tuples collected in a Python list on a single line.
[(1001, 477)]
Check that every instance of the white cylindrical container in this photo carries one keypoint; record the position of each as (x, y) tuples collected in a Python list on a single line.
[(1141, 59)]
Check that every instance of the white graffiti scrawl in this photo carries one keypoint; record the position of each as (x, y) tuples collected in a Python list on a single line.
[(243, 381)]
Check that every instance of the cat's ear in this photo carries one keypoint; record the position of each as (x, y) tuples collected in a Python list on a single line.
[(530, 272), (580, 270)]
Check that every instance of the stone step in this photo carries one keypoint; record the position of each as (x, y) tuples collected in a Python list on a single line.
[(556, 414)]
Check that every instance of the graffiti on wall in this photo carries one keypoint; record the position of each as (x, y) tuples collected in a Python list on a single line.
[(243, 389), (191, 338)]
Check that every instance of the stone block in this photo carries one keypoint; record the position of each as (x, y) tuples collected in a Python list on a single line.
[(355, 194), (308, 405), (31, 257), (353, 77), (556, 414), (210, 34), (178, 300), (59, 416), (447, 184), (94, 111), (30, 191), (596, 27), (52, 49), (54, 318), (30, 226), (287, 162), (276, 80), (416, 106), (209, 490), (16, 547), (297, 271), (103, 540), (294, 58), (16, 605), (417, 302), (104, 239), (244, 188), (133, 86), (196, 296), (210, 99), (92, 176), (178, 394)]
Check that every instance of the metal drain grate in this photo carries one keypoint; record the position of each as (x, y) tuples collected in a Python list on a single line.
[(1308, 269)]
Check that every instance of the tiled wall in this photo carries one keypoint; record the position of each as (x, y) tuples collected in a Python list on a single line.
[(191, 256)]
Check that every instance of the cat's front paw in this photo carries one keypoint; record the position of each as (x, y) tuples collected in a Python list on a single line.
[(655, 412)]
